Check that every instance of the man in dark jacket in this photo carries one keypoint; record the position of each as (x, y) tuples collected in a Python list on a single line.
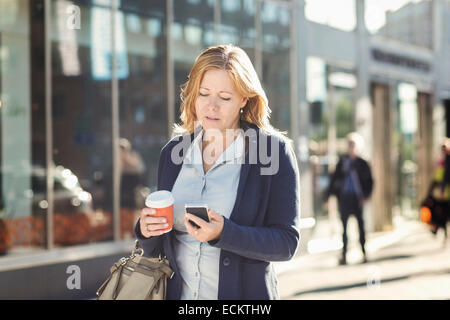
[(352, 184)]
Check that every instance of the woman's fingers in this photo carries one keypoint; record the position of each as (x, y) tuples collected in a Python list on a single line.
[(189, 227), (156, 233), (152, 230), (147, 212), (154, 220), (151, 226), (208, 230), (156, 226), (198, 221)]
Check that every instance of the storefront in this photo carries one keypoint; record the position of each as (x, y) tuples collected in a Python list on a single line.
[(82, 125)]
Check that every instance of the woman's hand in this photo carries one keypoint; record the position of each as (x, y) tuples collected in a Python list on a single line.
[(208, 231), (151, 226)]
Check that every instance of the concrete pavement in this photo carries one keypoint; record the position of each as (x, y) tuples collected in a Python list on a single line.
[(406, 263)]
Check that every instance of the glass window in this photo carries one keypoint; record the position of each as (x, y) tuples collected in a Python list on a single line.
[(81, 121), (316, 92), (408, 21), (337, 14), (406, 140), (23, 202), (194, 31), (446, 21), (276, 47), (330, 93), (342, 84), (238, 25), (143, 108)]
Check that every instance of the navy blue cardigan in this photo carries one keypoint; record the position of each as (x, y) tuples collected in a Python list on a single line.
[(262, 226)]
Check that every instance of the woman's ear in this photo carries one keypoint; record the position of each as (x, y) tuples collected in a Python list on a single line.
[(244, 101)]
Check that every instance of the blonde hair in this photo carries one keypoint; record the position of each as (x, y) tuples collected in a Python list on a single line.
[(358, 140), (236, 62)]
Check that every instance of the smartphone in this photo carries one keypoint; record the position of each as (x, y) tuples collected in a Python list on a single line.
[(200, 211)]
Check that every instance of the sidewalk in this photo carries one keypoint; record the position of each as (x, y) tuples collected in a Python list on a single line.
[(405, 263), (326, 238)]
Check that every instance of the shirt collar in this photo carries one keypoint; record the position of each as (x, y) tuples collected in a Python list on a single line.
[(233, 153)]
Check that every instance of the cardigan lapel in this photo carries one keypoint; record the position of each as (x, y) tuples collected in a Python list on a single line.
[(245, 169)]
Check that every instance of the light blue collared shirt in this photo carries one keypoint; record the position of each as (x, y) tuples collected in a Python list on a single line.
[(198, 262)]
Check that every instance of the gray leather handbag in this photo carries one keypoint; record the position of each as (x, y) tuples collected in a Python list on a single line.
[(137, 278)]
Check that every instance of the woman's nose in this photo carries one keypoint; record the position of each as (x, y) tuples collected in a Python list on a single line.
[(213, 102)]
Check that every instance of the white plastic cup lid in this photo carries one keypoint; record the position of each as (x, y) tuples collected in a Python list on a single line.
[(159, 199)]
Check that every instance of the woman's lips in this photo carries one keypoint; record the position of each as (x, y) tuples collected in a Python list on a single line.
[(211, 119)]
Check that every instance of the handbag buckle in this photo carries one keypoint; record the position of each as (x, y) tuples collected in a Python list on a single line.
[(137, 252), (137, 248)]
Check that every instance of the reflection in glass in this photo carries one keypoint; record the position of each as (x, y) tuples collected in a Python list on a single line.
[(143, 108), (231, 6), (101, 43), (238, 25), (276, 67), (21, 228), (193, 27), (68, 42), (81, 123)]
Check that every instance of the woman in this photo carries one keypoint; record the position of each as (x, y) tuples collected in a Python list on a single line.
[(218, 158)]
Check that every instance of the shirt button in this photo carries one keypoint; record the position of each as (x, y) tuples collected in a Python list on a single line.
[(226, 262)]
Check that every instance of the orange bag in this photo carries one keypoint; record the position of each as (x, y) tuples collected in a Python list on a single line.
[(425, 215)]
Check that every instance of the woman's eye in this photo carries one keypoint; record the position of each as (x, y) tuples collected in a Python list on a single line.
[(206, 95)]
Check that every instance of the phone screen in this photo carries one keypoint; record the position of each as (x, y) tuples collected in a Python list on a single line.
[(200, 211)]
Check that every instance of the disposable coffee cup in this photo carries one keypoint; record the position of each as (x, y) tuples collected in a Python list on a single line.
[(162, 201)]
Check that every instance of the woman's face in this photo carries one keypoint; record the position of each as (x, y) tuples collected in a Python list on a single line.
[(218, 103)]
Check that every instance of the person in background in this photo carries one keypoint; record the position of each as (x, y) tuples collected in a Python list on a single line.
[(439, 191), (132, 169), (352, 184), (445, 184)]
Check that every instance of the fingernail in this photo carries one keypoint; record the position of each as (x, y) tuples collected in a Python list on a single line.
[(166, 225)]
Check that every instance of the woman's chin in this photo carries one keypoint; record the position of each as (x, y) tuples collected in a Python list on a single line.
[(211, 126)]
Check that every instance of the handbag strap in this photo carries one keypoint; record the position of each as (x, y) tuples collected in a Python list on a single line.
[(164, 267), (138, 247), (116, 286)]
